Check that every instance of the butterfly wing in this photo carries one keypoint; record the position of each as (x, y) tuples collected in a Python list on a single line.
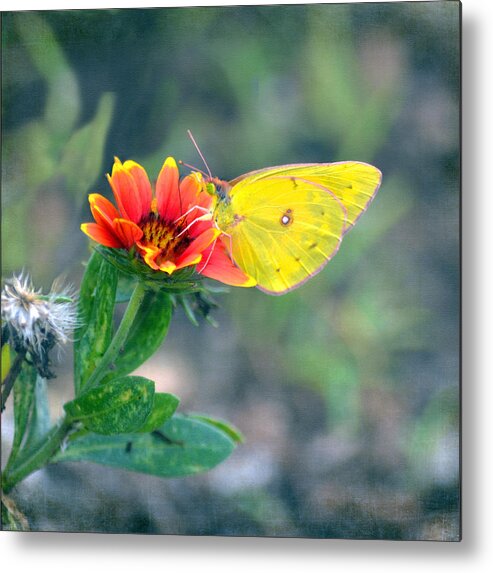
[(354, 183), (284, 230)]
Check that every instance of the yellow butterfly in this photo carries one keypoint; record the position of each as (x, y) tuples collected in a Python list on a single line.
[(285, 223)]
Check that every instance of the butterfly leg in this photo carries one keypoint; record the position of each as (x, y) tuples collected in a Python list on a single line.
[(208, 258), (212, 250), (206, 217), (194, 208)]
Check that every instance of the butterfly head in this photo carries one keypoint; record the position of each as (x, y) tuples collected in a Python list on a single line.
[(218, 188)]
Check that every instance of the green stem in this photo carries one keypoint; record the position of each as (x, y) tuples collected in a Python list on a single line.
[(11, 377), (57, 434), (39, 458), (118, 342)]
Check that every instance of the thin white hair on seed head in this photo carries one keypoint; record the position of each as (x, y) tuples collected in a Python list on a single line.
[(36, 323)]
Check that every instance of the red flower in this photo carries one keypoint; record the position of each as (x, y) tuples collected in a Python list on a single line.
[(170, 231)]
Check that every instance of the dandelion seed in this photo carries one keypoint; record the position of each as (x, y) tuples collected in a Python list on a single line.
[(37, 323)]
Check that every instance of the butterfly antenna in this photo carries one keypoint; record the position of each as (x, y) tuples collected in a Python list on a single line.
[(192, 167), (199, 152)]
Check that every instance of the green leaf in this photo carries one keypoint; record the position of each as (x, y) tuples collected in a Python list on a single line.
[(62, 90), (189, 311), (40, 419), (146, 335), (95, 317), (163, 408), (32, 420), (82, 159), (182, 446), (222, 425), (198, 304), (126, 286), (6, 361), (23, 404), (35, 166), (121, 406)]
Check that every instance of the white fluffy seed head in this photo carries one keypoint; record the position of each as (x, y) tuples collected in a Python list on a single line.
[(36, 323)]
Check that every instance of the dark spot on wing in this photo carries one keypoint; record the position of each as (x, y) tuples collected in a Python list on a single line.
[(278, 270), (295, 184), (313, 245), (287, 218)]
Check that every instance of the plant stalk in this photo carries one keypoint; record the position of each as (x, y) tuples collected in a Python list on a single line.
[(57, 434), (39, 458), (11, 377), (118, 342)]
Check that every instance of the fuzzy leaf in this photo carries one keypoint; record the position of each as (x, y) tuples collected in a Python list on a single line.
[(121, 406), (182, 446), (95, 316)]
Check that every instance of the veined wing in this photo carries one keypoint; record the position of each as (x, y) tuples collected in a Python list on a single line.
[(354, 183), (286, 229)]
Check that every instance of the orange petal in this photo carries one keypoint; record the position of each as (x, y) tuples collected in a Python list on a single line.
[(199, 226), (198, 245), (126, 192), (143, 184), (104, 205), (167, 267), (149, 252), (167, 192), (221, 268), (102, 235), (128, 233), (192, 192), (189, 260), (102, 210)]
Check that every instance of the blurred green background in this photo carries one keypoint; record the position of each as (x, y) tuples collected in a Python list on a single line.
[(347, 390)]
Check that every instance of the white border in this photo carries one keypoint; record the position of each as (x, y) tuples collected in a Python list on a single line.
[(83, 552)]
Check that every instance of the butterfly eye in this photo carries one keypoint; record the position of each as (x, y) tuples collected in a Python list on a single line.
[(210, 188), (287, 218)]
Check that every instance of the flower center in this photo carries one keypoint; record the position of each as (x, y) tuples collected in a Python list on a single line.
[(164, 236)]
